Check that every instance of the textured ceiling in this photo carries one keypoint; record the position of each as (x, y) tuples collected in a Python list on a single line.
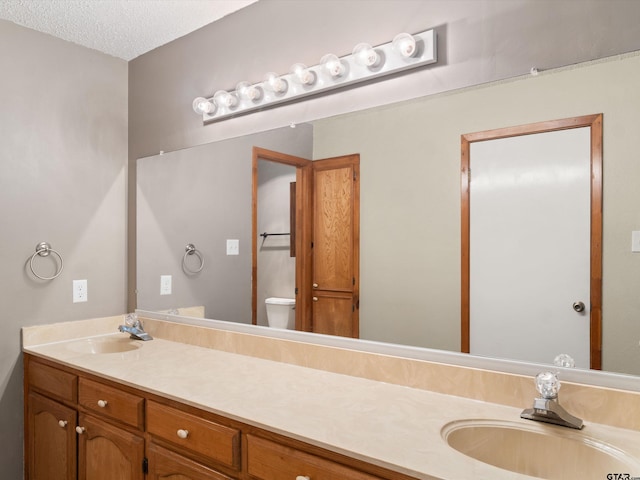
[(122, 28)]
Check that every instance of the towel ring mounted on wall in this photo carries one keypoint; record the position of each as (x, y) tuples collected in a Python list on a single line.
[(43, 249), (190, 249)]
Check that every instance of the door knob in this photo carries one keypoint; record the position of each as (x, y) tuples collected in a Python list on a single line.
[(315, 285), (578, 306), (315, 299)]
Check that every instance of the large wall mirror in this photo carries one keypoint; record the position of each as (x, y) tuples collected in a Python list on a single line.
[(410, 247)]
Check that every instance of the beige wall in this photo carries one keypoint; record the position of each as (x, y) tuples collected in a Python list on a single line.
[(63, 127), (410, 198)]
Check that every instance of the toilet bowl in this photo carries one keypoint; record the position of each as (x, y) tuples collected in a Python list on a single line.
[(281, 312)]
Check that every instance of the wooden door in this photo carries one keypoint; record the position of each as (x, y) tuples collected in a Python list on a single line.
[(51, 440), (106, 452), (533, 242), (336, 246)]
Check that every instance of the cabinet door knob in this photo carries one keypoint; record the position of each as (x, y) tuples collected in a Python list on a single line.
[(62, 423), (102, 403), (315, 285), (315, 299), (183, 433), (303, 477), (80, 430)]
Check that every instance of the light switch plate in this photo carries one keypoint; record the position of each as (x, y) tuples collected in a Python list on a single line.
[(635, 241), (233, 247), (165, 284)]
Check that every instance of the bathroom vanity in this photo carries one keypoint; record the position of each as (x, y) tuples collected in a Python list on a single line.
[(99, 405), (120, 432)]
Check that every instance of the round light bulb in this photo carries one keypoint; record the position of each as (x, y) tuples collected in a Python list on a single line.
[(405, 45), (365, 55), (302, 74), (224, 99), (201, 106), (251, 92), (333, 65), (275, 83)]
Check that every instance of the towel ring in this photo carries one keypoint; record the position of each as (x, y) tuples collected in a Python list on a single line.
[(43, 249), (190, 249)]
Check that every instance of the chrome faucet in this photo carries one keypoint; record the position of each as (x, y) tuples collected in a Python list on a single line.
[(133, 326), (546, 407)]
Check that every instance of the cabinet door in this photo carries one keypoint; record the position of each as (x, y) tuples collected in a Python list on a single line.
[(331, 311), (268, 460), (51, 440), (167, 465), (106, 452)]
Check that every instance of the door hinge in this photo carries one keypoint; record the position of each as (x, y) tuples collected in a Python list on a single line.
[(311, 244), (354, 280), (296, 290), (145, 465), (355, 176)]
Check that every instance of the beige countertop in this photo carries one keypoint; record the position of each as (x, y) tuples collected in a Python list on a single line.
[(392, 426)]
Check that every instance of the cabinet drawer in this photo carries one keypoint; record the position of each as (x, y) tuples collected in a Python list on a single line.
[(54, 382), (204, 437), (167, 465), (269, 460), (111, 403)]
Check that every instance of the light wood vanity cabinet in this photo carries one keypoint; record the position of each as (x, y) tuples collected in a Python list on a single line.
[(66, 440), (79, 427)]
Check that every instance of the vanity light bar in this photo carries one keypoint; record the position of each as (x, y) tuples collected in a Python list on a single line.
[(365, 63)]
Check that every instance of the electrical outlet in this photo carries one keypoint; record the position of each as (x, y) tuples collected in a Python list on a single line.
[(233, 247), (635, 241), (165, 284), (80, 293)]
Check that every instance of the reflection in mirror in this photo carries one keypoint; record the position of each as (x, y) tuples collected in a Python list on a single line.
[(202, 196), (275, 264), (410, 206)]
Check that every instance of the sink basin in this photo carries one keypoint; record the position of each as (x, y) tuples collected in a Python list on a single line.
[(538, 450), (114, 344)]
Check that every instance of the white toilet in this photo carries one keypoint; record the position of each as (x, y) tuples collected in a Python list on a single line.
[(281, 312)]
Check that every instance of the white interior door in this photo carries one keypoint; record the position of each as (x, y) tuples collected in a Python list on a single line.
[(530, 246)]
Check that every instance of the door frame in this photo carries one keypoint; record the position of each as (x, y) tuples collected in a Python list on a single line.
[(595, 124), (302, 234)]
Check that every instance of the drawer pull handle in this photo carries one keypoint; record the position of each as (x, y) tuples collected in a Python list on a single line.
[(102, 403), (183, 433), (62, 423), (303, 477), (80, 430)]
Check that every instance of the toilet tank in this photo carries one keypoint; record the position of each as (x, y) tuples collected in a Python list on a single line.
[(281, 312)]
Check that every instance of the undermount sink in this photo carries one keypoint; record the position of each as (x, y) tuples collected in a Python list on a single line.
[(112, 344), (538, 450)]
